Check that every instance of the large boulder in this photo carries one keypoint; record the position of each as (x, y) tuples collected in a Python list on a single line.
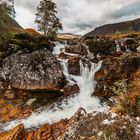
[(71, 90), (84, 126), (131, 44), (77, 49), (16, 133), (38, 70), (102, 46), (116, 70)]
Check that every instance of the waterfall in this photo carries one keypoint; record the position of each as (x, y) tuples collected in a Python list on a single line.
[(118, 49), (127, 49), (60, 48), (68, 107)]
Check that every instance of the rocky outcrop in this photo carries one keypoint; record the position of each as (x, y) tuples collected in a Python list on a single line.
[(48, 132), (84, 126), (76, 49), (17, 133), (13, 106), (45, 132), (100, 46), (81, 126), (38, 70), (71, 90), (115, 69), (132, 44), (127, 99), (112, 29)]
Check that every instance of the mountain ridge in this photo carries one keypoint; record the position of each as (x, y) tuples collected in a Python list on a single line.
[(14, 23), (116, 28)]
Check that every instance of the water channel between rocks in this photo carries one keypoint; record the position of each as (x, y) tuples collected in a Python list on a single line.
[(67, 107)]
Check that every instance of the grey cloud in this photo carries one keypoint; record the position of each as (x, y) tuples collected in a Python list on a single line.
[(27, 4), (133, 9), (80, 16)]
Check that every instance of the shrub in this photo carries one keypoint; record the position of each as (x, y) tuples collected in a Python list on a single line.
[(25, 42), (30, 42), (101, 46)]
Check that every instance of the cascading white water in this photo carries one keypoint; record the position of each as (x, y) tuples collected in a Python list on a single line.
[(118, 49), (60, 48), (67, 107), (127, 49)]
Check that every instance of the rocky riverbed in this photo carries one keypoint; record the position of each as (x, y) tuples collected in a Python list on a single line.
[(86, 90)]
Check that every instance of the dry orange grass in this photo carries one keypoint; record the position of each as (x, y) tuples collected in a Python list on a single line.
[(133, 34), (32, 31), (28, 30)]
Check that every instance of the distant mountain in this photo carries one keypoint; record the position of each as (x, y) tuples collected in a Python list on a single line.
[(14, 23), (112, 29)]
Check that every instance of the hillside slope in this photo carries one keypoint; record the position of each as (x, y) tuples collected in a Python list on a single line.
[(14, 23), (112, 29)]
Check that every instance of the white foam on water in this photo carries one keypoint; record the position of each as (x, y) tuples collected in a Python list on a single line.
[(127, 49), (60, 48), (68, 107), (118, 49)]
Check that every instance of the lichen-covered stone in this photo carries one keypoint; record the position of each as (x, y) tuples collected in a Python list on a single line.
[(38, 70)]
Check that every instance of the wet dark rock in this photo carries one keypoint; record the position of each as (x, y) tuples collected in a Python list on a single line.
[(71, 89), (38, 70), (131, 44), (130, 41), (62, 55), (133, 47), (74, 66)]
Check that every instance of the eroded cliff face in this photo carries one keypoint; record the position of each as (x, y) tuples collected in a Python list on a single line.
[(38, 70)]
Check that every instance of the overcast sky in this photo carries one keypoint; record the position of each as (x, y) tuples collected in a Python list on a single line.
[(81, 16)]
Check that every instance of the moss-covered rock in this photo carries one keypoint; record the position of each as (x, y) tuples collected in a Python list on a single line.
[(114, 71)]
